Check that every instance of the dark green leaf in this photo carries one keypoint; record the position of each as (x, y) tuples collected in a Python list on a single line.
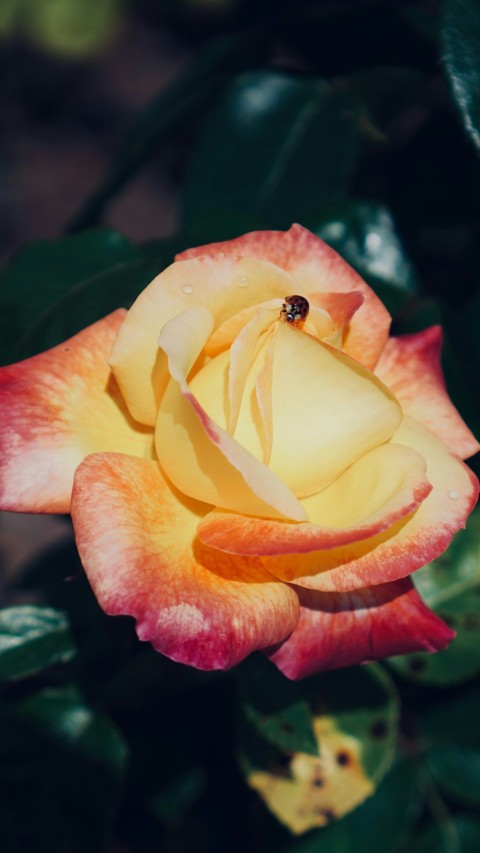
[(85, 303), (455, 720), (457, 770), (178, 105), (451, 587), (461, 836), (275, 707), (170, 804), (31, 639), (461, 40), (61, 766), (452, 742), (63, 714), (364, 234), (45, 271), (277, 146)]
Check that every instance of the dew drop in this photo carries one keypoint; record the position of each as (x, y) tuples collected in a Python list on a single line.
[(187, 288), (242, 281), (453, 494)]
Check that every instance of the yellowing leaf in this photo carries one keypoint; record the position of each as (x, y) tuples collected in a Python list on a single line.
[(354, 722), (311, 792)]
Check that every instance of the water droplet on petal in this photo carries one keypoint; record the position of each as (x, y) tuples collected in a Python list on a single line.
[(242, 281), (453, 494), (187, 288)]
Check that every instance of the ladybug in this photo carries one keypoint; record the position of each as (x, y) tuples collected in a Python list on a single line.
[(295, 310)]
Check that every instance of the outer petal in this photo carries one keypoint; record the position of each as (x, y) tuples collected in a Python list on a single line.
[(343, 629), (56, 408), (410, 366), (317, 268), (408, 544), (221, 285), (384, 486), (136, 539)]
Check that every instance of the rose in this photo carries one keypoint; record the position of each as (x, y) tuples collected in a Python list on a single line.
[(247, 476)]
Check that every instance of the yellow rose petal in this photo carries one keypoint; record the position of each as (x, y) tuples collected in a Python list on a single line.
[(222, 285), (328, 410), (197, 455)]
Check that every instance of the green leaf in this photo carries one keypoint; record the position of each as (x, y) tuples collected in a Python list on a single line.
[(169, 110), (451, 587), (85, 303), (48, 269), (457, 770), (461, 43), (276, 146), (31, 639), (364, 234), (170, 804), (452, 742), (355, 725), (455, 720), (463, 836), (275, 707), (61, 767), (63, 714)]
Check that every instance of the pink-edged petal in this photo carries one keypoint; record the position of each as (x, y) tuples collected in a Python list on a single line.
[(410, 366), (58, 407), (220, 285), (136, 539), (384, 486), (317, 268), (197, 455), (340, 306), (409, 543), (343, 629)]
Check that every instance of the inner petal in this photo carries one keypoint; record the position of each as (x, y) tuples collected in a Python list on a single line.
[(196, 454), (242, 354), (325, 410), (328, 410)]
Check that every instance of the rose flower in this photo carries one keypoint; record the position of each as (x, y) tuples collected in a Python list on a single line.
[(249, 460)]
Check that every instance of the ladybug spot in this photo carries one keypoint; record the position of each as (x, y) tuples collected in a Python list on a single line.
[(343, 758)]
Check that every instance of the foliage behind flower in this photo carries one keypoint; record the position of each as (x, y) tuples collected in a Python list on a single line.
[(241, 482)]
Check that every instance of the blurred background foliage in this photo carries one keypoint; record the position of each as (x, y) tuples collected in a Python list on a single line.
[(131, 129)]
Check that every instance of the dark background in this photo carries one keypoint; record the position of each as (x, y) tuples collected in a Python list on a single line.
[(177, 122)]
